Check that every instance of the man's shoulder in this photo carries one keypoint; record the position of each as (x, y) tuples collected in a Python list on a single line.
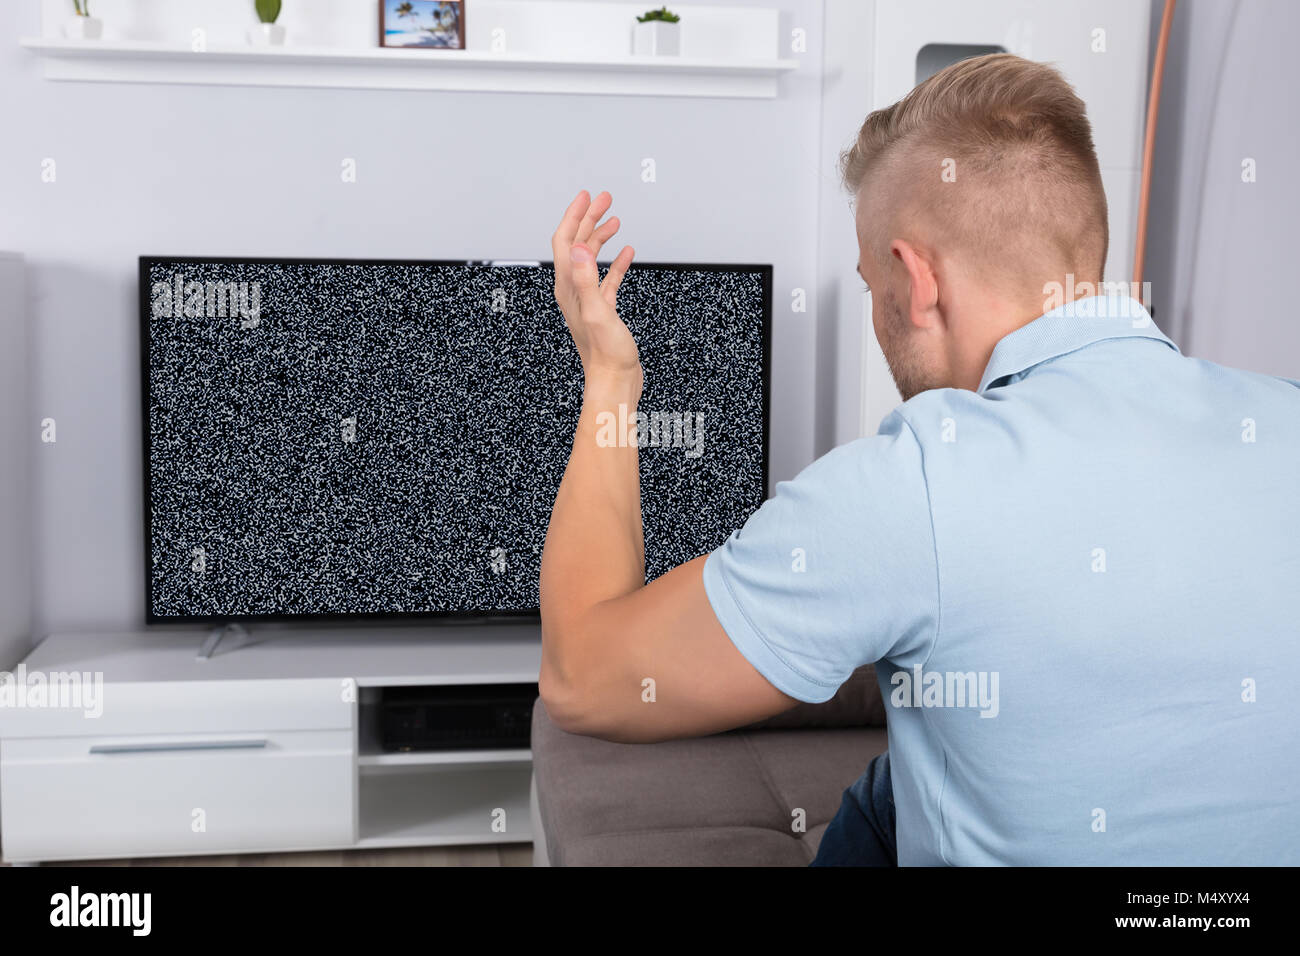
[(895, 438), (888, 465), (1287, 389), (938, 415), (902, 435)]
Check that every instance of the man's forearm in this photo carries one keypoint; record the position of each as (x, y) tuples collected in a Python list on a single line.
[(595, 549), (609, 640)]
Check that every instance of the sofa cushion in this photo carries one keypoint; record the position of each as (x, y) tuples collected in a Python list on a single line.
[(728, 799), (811, 768)]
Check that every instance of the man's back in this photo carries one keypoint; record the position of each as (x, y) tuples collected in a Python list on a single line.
[(1088, 614)]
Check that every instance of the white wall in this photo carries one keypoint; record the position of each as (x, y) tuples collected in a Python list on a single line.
[(1220, 251), (209, 170)]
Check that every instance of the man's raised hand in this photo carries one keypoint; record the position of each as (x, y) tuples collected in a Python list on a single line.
[(607, 349)]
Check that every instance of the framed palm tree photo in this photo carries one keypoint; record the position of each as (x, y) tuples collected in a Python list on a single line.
[(422, 24)]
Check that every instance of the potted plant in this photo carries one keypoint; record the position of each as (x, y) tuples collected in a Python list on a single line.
[(83, 26), (268, 32), (657, 33)]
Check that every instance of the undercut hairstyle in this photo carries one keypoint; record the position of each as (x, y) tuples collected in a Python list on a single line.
[(992, 160)]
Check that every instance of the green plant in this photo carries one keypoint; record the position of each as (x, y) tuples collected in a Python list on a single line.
[(267, 10), (82, 7), (663, 14)]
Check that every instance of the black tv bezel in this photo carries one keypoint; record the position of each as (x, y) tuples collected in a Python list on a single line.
[(408, 618)]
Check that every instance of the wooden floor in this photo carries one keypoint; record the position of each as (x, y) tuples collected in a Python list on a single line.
[(510, 854)]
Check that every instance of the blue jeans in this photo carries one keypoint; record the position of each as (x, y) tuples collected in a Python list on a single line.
[(862, 833)]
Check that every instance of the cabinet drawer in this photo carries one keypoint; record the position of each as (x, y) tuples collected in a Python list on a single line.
[(141, 795), (186, 707)]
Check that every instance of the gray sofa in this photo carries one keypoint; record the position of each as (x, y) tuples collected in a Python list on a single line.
[(727, 800)]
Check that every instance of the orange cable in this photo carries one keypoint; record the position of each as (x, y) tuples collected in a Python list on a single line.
[(1149, 149)]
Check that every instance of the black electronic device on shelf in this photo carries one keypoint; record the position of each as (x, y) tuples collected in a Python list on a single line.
[(483, 717)]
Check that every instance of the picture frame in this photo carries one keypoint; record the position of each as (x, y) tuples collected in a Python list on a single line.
[(422, 24)]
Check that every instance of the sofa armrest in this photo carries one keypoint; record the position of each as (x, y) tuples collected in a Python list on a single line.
[(856, 704)]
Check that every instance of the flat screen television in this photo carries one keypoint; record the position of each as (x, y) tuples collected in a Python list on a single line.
[(383, 439)]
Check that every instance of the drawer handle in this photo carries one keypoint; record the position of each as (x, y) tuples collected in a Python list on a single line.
[(187, 745)]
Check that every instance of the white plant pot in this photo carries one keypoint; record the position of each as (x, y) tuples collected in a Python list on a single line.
[(84, 28), (657, 38), (267, 34)]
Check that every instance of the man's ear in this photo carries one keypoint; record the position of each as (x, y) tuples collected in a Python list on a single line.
[(922, 283)]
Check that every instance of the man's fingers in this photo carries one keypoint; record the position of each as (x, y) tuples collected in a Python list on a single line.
[(582, 262), (614, 277), (576, 244), (567, 231), (602, 235), (598, 207), (572, 218)]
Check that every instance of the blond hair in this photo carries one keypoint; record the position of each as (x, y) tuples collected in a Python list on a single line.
[(990, 158)]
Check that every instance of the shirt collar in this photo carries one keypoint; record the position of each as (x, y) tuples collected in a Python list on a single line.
[(1067, 328)]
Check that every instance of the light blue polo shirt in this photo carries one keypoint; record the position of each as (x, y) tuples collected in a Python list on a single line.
[(1082, 586)]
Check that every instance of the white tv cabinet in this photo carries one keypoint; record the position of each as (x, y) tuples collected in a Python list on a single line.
[(268, 745)]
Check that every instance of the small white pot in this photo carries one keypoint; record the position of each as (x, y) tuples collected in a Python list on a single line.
[(266, 34), (84, 28), (657, 38)]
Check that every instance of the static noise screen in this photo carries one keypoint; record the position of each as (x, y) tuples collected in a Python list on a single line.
[(327, 439)]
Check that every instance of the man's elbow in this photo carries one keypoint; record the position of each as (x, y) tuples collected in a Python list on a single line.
[(564, 702), (564, 687)]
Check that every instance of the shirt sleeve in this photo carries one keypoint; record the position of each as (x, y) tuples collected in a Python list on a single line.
[(836, 570)]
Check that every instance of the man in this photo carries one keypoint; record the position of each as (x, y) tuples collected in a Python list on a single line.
[(1073, 552)]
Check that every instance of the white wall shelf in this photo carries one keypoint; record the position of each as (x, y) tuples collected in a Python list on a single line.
[(110, 61)]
